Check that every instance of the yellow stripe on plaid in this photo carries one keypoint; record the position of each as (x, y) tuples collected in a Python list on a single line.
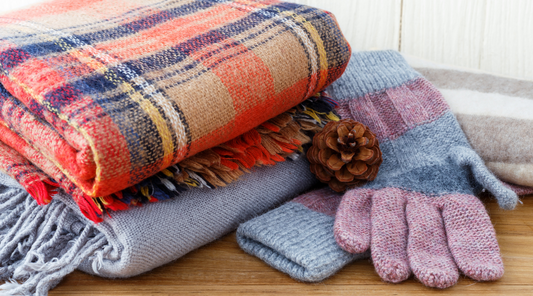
[(157, 119), (148, 107), (322, 55)]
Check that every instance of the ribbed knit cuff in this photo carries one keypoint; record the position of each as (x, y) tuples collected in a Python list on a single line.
[(297, 241), (371, 72)]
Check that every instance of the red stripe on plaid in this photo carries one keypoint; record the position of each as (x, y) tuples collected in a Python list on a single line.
[(164, 35), (31, 178), (28, 71), (255, 85)]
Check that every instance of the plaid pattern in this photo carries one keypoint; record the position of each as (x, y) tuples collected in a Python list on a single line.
[(112, 92), (30, 177)]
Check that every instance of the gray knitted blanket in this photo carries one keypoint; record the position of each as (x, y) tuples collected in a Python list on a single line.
[(134, 241)]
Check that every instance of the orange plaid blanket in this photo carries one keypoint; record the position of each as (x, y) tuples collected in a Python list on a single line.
[(98, 95)]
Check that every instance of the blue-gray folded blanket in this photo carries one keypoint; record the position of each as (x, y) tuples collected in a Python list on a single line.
[(134, 241)]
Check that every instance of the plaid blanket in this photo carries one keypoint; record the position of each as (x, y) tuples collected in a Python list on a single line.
[(102, 94)]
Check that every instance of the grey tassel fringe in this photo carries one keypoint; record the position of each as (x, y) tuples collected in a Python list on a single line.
[(40, 245)]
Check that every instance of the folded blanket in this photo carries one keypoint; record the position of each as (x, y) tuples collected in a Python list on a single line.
[(101, 95), (273, 141), (133, 241), (496, 114)]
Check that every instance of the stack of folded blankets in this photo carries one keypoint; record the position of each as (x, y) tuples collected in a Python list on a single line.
[(107, 107), (143, 130)]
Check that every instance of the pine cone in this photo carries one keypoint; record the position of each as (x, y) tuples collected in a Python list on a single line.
[(345, 154)]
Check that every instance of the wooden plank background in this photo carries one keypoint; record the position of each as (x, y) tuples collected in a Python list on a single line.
[(490, 35)]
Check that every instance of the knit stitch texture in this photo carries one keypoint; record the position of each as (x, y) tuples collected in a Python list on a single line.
[(297, 238), (111, 93), (420, 214), (495, 114), (133, 241)]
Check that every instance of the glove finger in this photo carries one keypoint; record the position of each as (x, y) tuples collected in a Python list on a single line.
[(389, 234), (429, 256), (352, 221), (471, 238)]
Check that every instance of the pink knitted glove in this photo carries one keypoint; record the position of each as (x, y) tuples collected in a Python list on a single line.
[(432, 236), (420, 214)]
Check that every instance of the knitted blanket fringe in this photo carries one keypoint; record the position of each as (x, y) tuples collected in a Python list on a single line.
[(36, 249), (40, 245)]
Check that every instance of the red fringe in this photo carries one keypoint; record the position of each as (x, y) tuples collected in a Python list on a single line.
[(230, 164), (287, 148), (88, 206), (271, 126), (114, 204), (277, 158), (41, 191)]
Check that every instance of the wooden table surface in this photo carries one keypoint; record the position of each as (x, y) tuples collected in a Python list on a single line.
[(222, 268)]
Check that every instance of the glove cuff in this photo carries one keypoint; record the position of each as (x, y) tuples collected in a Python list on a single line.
[(295, 240), (370, 72)]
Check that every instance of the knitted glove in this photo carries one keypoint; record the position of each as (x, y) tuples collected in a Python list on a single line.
[(420, 214), (297, 238)]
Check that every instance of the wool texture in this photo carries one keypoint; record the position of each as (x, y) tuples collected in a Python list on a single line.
[(110, 93), (297, 238), (40, 245), (494, 112), (420, 214), (276, 140)]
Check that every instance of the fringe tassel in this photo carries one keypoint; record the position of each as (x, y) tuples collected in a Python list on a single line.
[(271, 142), (274, 141), (35, 246), (42, 191)]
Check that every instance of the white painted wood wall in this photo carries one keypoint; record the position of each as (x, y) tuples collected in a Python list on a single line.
[(490, 35)]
